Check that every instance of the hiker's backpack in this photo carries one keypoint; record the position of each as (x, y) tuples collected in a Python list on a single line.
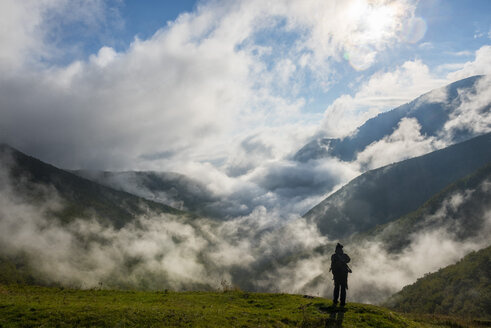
[(338, 266)]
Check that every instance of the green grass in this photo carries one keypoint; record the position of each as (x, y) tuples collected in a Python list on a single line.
[(27, 306)]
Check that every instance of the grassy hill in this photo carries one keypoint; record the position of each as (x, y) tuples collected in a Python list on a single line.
[(81, 197), (462, 289), (28, 306), (385, 194)]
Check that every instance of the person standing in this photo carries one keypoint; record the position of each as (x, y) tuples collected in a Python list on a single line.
[(340, 270)]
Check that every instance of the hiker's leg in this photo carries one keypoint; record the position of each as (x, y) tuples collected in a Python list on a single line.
[(343, 294), (335, 295)]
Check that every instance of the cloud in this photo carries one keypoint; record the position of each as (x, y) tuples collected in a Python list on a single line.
[(381, 92), (463, 53), (405, 142), (110, 115), (36, 32), (218, 94), (21, 33), (185, 90), (358, 29), (379, 274), (473, 115), (480, 65)]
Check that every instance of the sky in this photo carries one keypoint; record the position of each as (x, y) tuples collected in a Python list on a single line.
[(226, 92), (222, 91)]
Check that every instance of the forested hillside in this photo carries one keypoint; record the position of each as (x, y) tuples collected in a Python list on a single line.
[(462, 289), (39, 182), (385, 194), (461, 208)]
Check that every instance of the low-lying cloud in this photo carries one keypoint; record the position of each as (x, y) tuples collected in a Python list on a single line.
[(405, 142), (262, 251)]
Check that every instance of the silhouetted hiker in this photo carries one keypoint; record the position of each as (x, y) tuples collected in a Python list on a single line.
[(340, 269)]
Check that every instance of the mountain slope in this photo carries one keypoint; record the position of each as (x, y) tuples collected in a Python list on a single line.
[(461, 289), (462, 209), (382, 195), (432, 110), (81, 197), (173, 189)]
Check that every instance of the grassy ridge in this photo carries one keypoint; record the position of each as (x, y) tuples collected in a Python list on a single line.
[(44, 306)]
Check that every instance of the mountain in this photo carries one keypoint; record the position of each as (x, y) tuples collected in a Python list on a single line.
[(38, 181), (173, 189), (432, 110), (387, 193), (461, 209), (462, 289)]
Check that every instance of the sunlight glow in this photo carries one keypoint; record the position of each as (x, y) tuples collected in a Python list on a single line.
[(379, 22), (376, 23)]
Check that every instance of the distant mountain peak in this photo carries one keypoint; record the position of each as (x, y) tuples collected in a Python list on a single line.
[(432, 111)]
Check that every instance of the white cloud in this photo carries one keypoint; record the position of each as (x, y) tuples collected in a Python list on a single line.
[(357, 31), (452, 67), (20, 31), (426, 46), (463, 53), (31, 31), (383, 91), (480, 65), (202, 73), (473, 115), (405, 142), (103, 57)]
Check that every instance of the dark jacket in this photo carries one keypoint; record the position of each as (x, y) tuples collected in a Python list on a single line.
[(339, 267)]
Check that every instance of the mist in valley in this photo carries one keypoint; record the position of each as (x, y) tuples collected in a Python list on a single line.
[(262, 251)]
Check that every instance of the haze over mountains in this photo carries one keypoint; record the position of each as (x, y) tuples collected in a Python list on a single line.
[(169, 188), (81, 197), (71, 231), (295, 185)]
